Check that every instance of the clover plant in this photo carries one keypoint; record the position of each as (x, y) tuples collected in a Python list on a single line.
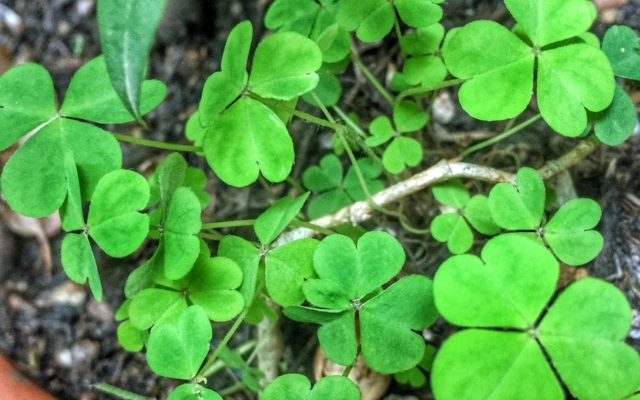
[(517, 334)]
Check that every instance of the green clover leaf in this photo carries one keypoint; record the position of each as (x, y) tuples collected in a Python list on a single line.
[(335, 190), (131, 338), (127, 29), (416, 376), (519, 207), (347, 277), (292, 16), (328, 91), (569, 232), (193, 391), (213, 285), (372, 20), (115, 221), (425, 66), (617, 123), (453, 227), (271, 223), (27, 100), (79, 263), (298, 387), (248, 139), (155, 306), (287, 268), (581, 332), (177, 351), (92, 97), (247, 256), (498, 65)]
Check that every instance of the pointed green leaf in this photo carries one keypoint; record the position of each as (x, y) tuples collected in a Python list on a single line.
[(79, 263), (71, 212), (271, 223), (127, 30)]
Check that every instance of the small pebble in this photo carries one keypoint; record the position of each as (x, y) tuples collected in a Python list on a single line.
[(66, 294), (443, 109)]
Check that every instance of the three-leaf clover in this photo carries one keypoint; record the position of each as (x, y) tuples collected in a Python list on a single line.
[(298, 387), (425, 66), (453, 227), (335, 190), (568, 233), (115, 223), (193, 391), (347, 294), (372, 20), (498, 65), (509, 288), (35, 181), (617, 123), (402, 151), (245, 137), (178, 350)]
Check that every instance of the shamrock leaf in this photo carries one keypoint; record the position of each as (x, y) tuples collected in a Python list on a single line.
[(453, 227), (284, 66), (155, 306), (617, 123), (298, 387), (287, 268), (177, 351), (292, 16), (131, 338), (193, 391), (374, 19), (114, 221), (425, 66), (246, 140), (328, 91), (347, 274), (79, 263), (27, 100), (247, 256), (569, 233), (34, 180), (271, 223), (519, 207), (127, 29), (415, 377), (92, 97), (336, 191), (581, 332), (498, 65)]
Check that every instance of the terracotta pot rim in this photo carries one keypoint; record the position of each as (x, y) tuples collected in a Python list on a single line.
[(15, 386)]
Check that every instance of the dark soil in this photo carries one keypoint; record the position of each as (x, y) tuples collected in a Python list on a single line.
[(59, 336)]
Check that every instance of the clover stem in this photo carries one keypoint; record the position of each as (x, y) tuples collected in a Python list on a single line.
[(426, 89), (372, 79), (300, 114), (212, 235), (156, 144), (223, 344), (117, 392), (504, 135), (228, 224), (220, 365)]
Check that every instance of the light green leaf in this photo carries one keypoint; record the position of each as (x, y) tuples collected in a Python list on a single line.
[(381, 131), (328, 91), (287, 268), (451, 193), (569, 232), (387, 323), (115, 222), (271, 223), (192, 391), (570, 79), (71, 212), (312, 315), (246, 139), (328, 202), (292, 16), (131, 338), (425, 40), (371, 170), (508, 287), (79, 263), (298, 387), (177, 351), (338, 339), (401, 153), (617, 123), (327, 175), (551, 21), (27, 100), (418, 13), (453, 230), (127, 30), (213, 286), (478, 213), (92, 97), (34, 179), (408, 116), (155, 306), (498, 67), (377, 258), (284, 66), (519, 207), (426, 71), (168, 177), (371, 19), (247, 256), (193, 130), (501, 365), (583, 333), (180, 242), (621, 46)]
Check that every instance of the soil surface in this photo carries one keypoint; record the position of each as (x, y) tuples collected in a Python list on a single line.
[(57, 335)]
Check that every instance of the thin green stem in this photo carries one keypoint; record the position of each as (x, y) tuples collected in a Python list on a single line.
[(426, 89), (500, 137), (300, 114), (225, 341), (118, 393), (156, 144), (212, 236), (219, 365), (228, 224), (369, 75), (349, 121), (313, 227)]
